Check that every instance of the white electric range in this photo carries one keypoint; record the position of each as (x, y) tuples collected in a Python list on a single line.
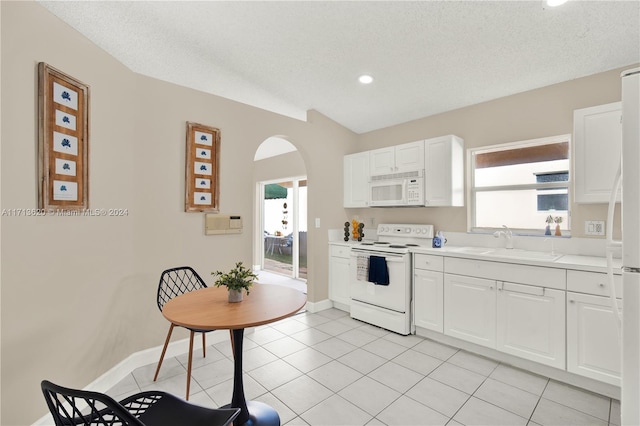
[(380, 282)]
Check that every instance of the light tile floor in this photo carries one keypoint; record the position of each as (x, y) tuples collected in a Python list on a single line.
[(326, 368)]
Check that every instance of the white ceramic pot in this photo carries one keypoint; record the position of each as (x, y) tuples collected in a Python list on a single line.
[(235, 296)]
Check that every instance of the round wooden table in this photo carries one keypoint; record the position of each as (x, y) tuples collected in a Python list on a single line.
[(208, 309)]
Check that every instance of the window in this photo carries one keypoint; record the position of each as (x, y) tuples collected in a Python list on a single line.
[(520, 184)]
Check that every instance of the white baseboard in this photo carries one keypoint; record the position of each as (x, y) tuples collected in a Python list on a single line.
[(322, 305), (139, 359)]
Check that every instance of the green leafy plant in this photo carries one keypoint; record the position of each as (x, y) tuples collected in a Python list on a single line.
[(238, 278), (558, 219), (549, 219)]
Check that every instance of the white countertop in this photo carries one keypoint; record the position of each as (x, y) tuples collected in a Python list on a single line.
[(570, 253), (564, 261)]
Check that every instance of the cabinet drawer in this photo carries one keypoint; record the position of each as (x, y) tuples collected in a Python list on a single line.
[(512, 272), (428, 262), (593, 283), (340, 251)]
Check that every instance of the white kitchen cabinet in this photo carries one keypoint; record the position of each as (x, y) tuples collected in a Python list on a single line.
[(597, 141), (595, 283), (531, 323), (397, 159), (470, 309), (356, 180), (593, 344), (444, 171), (339, 256), (428, 292), (516, 309)]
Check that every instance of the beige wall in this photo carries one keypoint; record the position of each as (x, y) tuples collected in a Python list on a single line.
[(535, 114), (78, 294)]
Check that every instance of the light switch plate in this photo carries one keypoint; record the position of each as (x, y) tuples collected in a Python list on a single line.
[(594, 227)]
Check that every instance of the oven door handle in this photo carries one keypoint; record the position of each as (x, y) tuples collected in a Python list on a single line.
[(388, 258)]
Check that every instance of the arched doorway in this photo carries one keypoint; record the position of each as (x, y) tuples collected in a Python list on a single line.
[(281, 210)]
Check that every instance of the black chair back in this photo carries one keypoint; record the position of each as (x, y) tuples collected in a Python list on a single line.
[(177, 281), (77, 407), (148, 408)]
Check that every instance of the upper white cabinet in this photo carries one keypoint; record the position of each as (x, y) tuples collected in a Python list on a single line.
[(444, 171), (397, 159), (356, 180), (597, 133)]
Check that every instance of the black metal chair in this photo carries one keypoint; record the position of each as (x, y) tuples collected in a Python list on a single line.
[(174, 282), (151, 408)]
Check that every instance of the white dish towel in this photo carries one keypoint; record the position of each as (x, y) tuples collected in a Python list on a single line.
[(363, 268)]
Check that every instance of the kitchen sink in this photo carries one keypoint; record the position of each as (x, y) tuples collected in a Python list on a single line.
[(523, 254), (508, 253), (471, 250)]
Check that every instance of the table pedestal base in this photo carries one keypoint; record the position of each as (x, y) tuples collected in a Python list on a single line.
[(260, 414)]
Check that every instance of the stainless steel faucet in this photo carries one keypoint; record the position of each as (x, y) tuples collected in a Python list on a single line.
[(507, 234)]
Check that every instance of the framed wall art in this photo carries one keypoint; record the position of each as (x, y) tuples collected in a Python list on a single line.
[(202, 192), (63, 141)]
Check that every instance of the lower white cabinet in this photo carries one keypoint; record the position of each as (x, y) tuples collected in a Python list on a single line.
[(339, 275), (593, 343), (428, 292), (531, 323), (558, 317), (470, 309)]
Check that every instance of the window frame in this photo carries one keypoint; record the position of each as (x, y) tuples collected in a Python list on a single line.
[(472, 190)]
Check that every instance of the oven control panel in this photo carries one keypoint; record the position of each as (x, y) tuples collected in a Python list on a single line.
[(405, 230)]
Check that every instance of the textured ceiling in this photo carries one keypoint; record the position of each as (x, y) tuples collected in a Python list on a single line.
[(426, 57)]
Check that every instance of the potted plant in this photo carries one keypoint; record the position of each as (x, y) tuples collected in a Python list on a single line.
[(236, 280), (549, 220)]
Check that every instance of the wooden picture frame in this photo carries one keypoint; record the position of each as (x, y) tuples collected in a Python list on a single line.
[(63, 141), (202, 177)]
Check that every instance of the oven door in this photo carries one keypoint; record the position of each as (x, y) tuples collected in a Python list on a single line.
[(395, 296)]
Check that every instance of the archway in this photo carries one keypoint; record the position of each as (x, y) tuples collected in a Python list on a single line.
[(280, 238)]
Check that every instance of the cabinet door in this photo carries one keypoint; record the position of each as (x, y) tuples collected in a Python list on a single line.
[(444, 171), (382, 161), (597, 144), (470, 309), (339, 280), (356, 180), (593, 343), (531, 323), (428, 299), (409, 156)]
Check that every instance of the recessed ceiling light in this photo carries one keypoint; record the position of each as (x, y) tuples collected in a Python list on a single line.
[(554, 3), (365, 79)]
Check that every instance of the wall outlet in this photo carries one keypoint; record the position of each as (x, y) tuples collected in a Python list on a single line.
[(594, 227)]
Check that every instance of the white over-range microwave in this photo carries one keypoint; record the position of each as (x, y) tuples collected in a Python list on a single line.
[(397, 189)]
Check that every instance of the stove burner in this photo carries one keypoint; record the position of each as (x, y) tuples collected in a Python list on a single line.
[(397, 246)]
